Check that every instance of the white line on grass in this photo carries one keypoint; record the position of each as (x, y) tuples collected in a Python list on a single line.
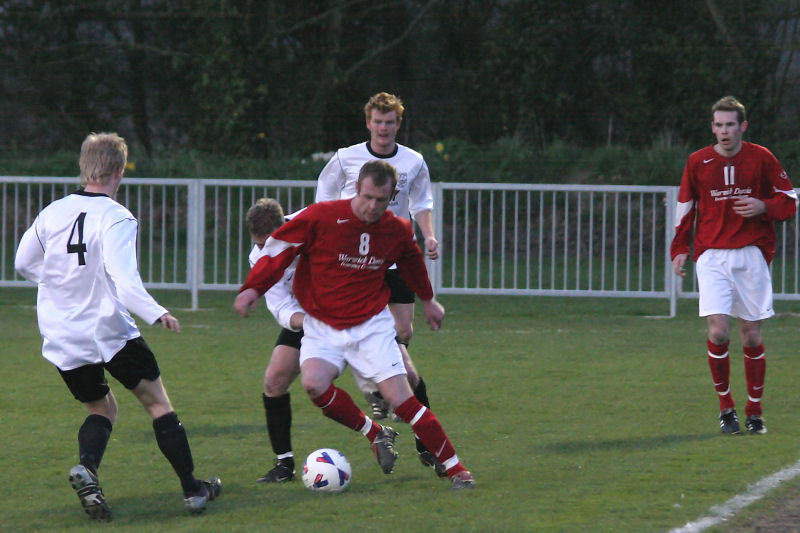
[(720, 513)]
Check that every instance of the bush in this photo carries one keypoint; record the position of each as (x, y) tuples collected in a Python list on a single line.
[(507, 160)]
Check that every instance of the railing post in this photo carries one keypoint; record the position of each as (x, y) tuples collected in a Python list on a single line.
[(194, 238), (671, 280)]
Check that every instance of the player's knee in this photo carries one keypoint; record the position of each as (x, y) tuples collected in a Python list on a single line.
[(751, 339), (276, 383), (315, 386)]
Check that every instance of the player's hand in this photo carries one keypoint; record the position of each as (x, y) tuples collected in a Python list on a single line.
[(245, 301), (677, 264), (170, 322), (431, 247), (434, 313), (749, 207)]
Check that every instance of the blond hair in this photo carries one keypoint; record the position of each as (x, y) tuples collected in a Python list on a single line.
[(102, 156)]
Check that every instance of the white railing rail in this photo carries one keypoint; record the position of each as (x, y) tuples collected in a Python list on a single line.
[(522, 239)]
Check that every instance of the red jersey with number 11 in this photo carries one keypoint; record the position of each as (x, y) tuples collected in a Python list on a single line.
[(711, 184), (340, 274)]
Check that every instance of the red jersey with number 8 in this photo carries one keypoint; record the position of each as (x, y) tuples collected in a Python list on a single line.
[(340, 274)]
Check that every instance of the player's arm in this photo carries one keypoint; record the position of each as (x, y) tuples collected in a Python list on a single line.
[(420, 205), (685, 212), (30, 255), (279, 252), (119, 259), (782, 203), (331, 180), (283, 305), (424, 220)]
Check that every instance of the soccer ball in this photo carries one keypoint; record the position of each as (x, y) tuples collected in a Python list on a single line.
[(326, 470)]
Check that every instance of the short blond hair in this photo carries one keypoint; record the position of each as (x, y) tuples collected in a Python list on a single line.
[(102, 156), (264, 217), (385, 103)]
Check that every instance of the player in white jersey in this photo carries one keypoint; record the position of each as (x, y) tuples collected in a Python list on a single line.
[(81, 253), (284, 365), (413, 198)]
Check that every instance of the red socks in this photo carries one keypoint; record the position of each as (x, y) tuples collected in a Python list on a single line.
[(427, 427), (755, 366), (720, 365), (337, 405)]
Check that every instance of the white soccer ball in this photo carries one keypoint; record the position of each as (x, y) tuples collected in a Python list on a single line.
[(326, 470)]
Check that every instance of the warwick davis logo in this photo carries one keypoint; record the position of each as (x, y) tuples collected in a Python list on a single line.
[(363, 262), (730, 192)]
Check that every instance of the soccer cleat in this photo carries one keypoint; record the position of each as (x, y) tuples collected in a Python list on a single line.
[(729, 422), (383, 446), (196, 503), (91, 495), (282, 472), (428, 459), (462, 480), (755, 425), (380, 407)]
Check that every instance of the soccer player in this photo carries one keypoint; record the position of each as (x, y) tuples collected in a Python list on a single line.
[(413, 197), (731, 192), (81, 251), (344, 249), (264, 217)]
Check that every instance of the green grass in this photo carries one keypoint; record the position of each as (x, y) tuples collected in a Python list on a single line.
[(573, 414)]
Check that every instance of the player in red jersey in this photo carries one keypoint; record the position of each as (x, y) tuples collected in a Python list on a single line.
[(345, 247), (731, 192)]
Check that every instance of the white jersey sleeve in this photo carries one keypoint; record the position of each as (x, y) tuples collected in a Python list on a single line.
[(30, 255), (280, 298), (119, 257), (420, 193), (331, 181)]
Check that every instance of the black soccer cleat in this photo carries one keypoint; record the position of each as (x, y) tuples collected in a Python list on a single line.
[(755, 425), (383, 446), (379, 406), (428, 459), (89, 492), (282, 472), (729, 422), (196, 503)]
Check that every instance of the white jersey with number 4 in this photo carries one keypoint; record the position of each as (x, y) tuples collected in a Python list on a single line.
[(81, 252)]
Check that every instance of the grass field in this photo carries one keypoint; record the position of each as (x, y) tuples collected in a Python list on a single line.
[(573, 414)]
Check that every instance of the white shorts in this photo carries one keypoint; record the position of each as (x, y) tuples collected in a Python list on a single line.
[(735, 282), (369, 348)]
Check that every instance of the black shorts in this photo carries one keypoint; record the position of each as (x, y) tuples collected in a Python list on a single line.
[(289, 338), (400, 294), (133, 363)]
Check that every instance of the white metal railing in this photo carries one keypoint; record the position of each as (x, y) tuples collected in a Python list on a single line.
[(569, 240)]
